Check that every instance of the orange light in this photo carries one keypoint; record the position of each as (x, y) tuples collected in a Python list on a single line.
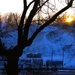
[(69, 19)]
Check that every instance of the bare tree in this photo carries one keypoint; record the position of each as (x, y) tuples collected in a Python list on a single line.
[(23, 40), (12, 18), (9, 18), (16, 18)]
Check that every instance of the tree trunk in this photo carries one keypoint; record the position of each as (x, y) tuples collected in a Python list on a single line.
[(12, 60), (12, 66)]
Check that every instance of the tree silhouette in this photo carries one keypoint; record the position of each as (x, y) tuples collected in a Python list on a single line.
[(23, 40), (12, 18)]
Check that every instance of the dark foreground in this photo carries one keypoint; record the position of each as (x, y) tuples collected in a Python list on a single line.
[(43, 72), (49, 72)]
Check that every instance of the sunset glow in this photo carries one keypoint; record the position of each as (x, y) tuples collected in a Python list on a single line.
[(69, 19)]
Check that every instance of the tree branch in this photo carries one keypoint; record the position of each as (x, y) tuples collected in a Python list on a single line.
[(30, 17), (30, 4), (20, 28), (42, 4), (50, 21), (25, 4), (22, 22)]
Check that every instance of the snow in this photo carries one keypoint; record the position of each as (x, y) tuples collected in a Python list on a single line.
[(52, 39)]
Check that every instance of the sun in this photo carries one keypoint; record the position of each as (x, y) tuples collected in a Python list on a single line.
[(69, 19)]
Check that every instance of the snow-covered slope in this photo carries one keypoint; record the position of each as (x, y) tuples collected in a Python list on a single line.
[(53, 42)]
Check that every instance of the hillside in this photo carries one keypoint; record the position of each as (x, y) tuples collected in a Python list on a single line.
[(54, 40)]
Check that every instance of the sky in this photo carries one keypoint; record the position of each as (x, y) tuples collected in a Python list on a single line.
[(11, 6), (16, 6)]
